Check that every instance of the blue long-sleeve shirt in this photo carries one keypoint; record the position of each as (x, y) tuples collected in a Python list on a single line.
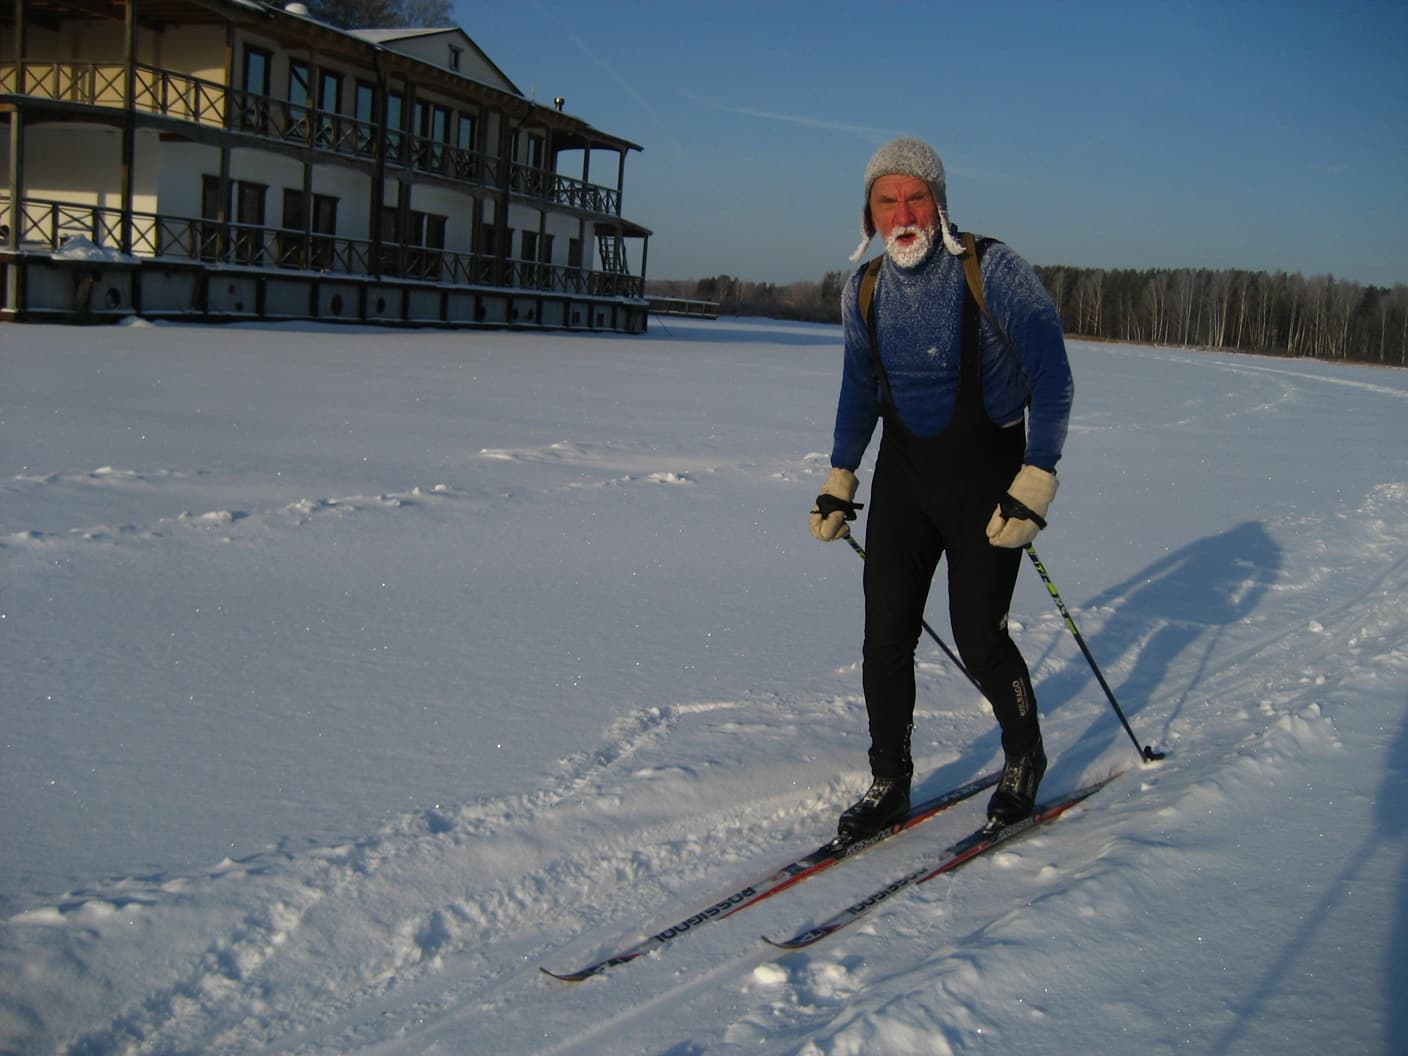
[(918, 314)]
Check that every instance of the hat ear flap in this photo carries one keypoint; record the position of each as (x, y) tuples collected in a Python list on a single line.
[(867, 232), (946, 233)]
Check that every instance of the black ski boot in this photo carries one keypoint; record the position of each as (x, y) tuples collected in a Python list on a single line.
[(1016, 792), (886, 802)]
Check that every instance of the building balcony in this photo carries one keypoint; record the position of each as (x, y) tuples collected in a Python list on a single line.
[(46, 226), (190, 100)]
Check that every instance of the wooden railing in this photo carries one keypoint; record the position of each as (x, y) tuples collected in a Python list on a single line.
[(51, 225), (182, 97)]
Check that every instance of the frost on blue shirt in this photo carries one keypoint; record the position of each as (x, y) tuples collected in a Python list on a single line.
[(918, 315)]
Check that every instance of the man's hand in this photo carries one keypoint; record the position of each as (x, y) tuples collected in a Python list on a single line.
[(834, 507), (1022, 511)]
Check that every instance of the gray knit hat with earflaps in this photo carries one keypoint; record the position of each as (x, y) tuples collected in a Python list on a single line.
[(907, 156)]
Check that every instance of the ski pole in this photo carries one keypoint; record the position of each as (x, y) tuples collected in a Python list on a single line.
[(1147, 753), (924, 623)]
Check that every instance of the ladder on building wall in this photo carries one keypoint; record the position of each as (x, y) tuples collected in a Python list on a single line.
[(613, 253)]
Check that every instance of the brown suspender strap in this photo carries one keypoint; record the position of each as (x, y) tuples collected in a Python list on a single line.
[(867, 301), (867, 287), (972, 271)]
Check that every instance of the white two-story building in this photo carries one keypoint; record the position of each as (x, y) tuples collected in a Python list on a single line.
[(232, 159)]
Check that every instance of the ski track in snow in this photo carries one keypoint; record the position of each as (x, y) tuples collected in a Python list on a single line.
[(635, 458), (213, 522), (610, 464), (202, 524), (444, 915), (255, 982)]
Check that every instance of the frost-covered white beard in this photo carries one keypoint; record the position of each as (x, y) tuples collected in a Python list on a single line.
[(913, 254)]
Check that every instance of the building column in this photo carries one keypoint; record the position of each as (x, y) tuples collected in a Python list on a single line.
[(16, 218), (129, 125)]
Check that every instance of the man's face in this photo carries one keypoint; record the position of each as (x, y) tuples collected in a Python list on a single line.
[(898, 203)]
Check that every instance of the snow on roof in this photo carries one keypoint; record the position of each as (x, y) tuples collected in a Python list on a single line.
[(377, 36), (390, 38)]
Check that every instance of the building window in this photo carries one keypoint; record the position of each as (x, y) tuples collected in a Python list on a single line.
[(306, 240), (299, 83), (415, 252), (300, 95), (246, 234), (390, 224), (536, 247), (394, 138), (435, 231), (432, 129), (455, 56), (364, 111), (330, 91), (425, 243), (329, 106), (214, 210), (528, 175), (256, 70), (254, 105), (249, 221), (465, 167), (535, 252)]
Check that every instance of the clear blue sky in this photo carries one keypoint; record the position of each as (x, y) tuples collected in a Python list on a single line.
[(1269, 136)]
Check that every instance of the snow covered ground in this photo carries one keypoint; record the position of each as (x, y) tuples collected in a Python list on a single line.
[(351, 675)]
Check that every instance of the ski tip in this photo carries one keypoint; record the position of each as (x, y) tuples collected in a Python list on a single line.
[(565, 977), (801, 940), (787, 945)]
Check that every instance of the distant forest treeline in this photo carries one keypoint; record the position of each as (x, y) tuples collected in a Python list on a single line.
[(1278, 314)]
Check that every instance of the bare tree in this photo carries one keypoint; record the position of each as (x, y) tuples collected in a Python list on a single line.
[(384, 14), (1400, 295), (427, 14), (1156, 298), (1183, 300), (1091, 292), (1219, 298), (1243, 284), (1393, 306)]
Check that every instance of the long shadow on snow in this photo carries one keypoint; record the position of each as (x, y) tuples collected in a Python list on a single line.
[(1182, 601), (1391, 813), (1391, 816)]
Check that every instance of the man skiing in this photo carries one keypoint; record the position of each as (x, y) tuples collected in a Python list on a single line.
[(957, 474)]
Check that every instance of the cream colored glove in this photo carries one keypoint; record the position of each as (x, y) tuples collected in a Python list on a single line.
[(834, 507), (1022, 511)]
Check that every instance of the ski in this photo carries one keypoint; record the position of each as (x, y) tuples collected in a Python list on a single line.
[(965, 850), (825, 856)]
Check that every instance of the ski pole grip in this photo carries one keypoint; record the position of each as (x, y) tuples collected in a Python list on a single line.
[(826, 505), (1015, 509)]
